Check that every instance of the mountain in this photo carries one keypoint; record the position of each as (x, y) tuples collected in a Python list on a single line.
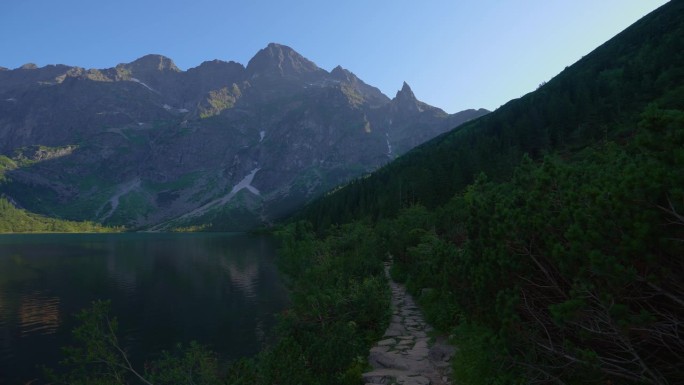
[(147, 145)]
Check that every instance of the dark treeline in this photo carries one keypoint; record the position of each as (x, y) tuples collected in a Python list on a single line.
[(569, 272), (547, 237)]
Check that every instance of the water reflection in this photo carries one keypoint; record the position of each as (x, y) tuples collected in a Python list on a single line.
[(245, 278), (38, 314), (222, 291)]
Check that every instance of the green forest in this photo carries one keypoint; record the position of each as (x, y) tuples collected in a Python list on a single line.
[(547, 237)]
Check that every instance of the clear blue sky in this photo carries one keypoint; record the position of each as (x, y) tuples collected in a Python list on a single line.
[(455, 54)]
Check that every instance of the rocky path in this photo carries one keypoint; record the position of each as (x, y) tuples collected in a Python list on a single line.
[(406, 355)]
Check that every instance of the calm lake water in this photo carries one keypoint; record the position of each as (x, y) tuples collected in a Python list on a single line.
[(220, 290)]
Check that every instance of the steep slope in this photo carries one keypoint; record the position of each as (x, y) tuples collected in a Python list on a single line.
[(154, 146), (593, 100), (563, 266)]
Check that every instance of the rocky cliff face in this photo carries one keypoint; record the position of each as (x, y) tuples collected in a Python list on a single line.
[(150, 146)]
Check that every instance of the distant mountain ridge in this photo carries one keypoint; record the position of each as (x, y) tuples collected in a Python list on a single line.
[(152, 146)]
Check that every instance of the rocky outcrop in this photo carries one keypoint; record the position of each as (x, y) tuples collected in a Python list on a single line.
[(406, 355), (373, 96), (278, 60)]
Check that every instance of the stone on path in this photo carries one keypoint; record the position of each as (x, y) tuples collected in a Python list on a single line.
[(404, 356)]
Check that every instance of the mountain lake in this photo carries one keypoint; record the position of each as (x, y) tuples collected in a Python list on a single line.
[(221, 290)]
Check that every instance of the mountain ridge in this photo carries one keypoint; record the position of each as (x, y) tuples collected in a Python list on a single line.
[(172, 141)]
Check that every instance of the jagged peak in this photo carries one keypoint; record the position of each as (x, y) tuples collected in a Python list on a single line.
[(29, 66), (280, 59), (155, 62), (372, 95), (406, 100), (343, 74), (218, 65), (339, 71), (406, 92), (278, 46)]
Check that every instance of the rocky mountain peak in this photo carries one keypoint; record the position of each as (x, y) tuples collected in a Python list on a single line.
[(28, 66), (153, 62), (214, 75), (153, 71), (280, 60), (406, 100), (218, 65), (406, 93), (340, 73), (215, 70), (371, 94)]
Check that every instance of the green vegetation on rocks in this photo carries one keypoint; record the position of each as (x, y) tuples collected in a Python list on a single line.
[(14, 220), (219, 100), (570, 268)]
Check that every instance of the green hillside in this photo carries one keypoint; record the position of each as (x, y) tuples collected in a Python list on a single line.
[(14, 220), (547, 237)]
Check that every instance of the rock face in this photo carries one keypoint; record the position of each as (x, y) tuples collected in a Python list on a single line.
[(405, 355), (151, 146)]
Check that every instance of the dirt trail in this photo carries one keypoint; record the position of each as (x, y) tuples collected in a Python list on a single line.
[(405, 355)]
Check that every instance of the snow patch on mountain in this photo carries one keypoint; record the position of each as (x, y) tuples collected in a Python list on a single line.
[(144, 85), (113, 202), (245, 183)]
